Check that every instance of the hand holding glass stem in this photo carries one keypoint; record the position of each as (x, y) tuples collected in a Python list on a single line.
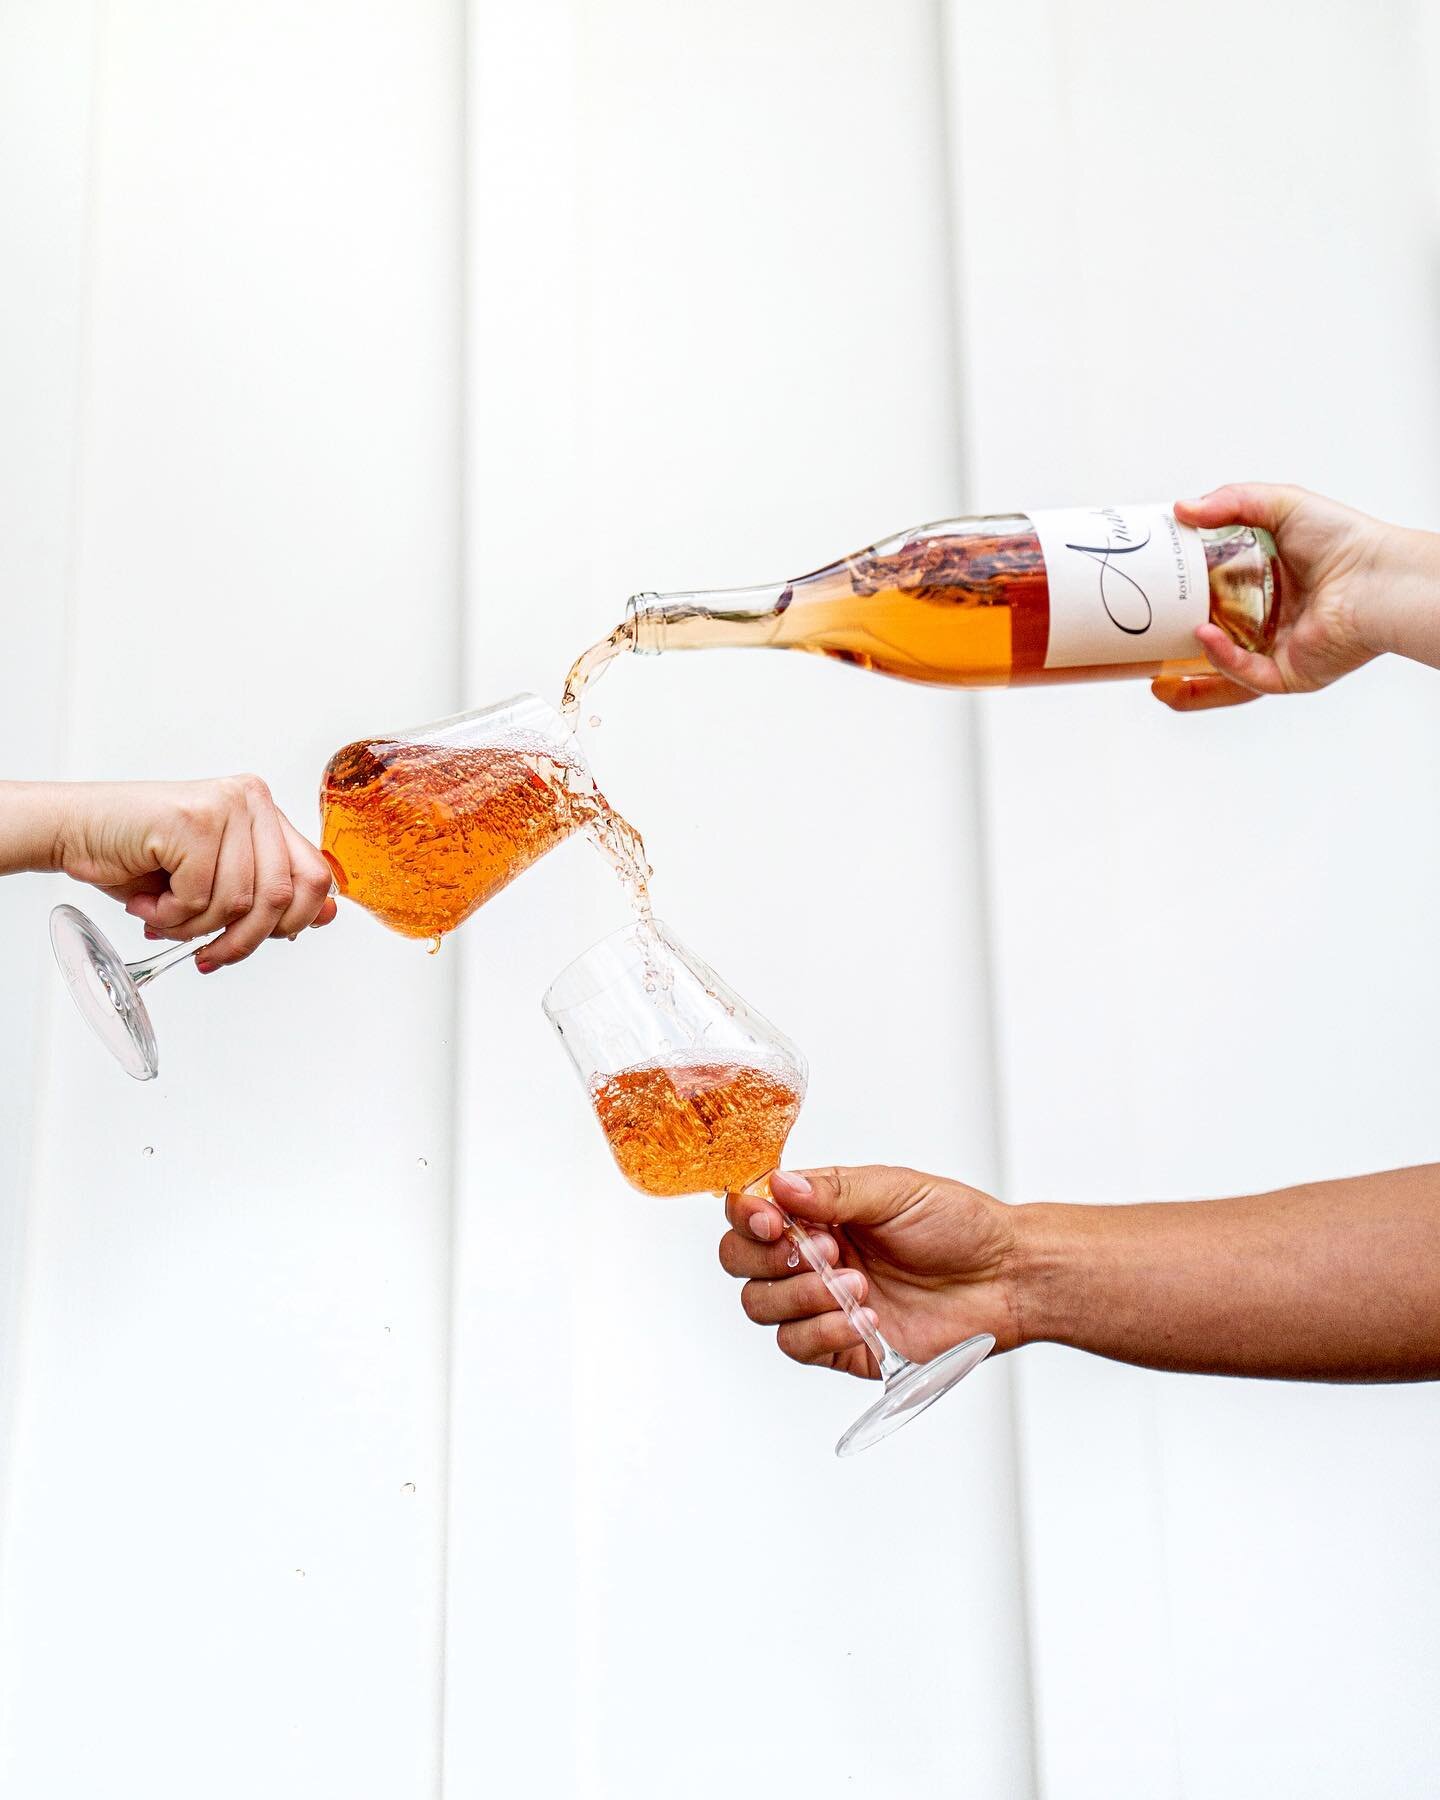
[(694, 1089), (214, 866), (1328, 1281)]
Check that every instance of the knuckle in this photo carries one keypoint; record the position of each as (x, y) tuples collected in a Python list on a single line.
[(836, 1181), (277, 894), (238, 906), (253, 787)]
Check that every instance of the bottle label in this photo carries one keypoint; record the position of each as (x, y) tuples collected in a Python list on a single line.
[(1128, 584)]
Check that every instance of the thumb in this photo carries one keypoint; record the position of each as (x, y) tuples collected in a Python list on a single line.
[(1264, 503), (865, 1196)]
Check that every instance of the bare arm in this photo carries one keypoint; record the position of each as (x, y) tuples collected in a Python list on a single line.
[(1333, 1281), (189, 858), (1402, 606), (30, 826)]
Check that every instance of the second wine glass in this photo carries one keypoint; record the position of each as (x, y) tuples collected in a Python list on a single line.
[(697, 1093)]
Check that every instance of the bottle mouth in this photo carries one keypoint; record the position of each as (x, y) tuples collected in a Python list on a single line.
[(640, 616)]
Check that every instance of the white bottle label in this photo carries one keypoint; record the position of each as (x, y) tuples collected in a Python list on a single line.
[(1128, 584)]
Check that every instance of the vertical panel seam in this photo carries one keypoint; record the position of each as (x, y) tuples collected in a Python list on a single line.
[(43, 1017), (459, 426), (946, 52)]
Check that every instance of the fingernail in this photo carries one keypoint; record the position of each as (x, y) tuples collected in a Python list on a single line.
[(206, 968), (762, 1225), (800, 1188), (152, 934)]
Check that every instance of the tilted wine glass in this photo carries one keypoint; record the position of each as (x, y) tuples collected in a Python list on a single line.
[(420, 827), (696, 1093)]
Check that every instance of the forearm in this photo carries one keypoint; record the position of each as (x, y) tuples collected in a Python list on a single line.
[(31, 825), (1397, 606), (1335, 1281)]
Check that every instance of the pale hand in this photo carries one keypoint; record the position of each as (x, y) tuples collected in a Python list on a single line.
[(191, 858), (932, 1260), (1330, 556)]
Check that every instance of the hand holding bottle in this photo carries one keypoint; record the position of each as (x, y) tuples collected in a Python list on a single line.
[(189, 858), (1350, 588), (932, 1260)]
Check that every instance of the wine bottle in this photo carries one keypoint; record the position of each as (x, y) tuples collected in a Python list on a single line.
[(1074, 594)]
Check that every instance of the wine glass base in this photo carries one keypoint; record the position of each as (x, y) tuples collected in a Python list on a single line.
[(909, 1393), (105, 992)]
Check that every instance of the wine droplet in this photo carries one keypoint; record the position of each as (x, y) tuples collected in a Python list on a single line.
[(594, 721), (407, 1487), (424, 1164), (792, 1261), (149, 1150), (433, 948)]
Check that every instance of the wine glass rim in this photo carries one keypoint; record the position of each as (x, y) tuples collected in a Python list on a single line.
[(521, 704), (555, 1009), (656, 928)]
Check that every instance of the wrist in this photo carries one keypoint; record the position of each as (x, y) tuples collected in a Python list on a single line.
[(33, 817), (1047, 1271), (1397, 595)]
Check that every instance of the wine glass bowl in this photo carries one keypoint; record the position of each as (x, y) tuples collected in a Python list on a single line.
[(422, 826)]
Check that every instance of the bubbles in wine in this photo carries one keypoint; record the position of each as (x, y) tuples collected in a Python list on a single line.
[(691, 1126), (422, 834)]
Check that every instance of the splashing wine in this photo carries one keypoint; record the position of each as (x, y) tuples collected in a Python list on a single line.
[(422, 828)]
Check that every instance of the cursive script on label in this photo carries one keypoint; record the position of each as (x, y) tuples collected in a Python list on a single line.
[(1118, 588)]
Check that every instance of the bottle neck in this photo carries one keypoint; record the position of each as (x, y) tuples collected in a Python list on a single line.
[(715, 619)]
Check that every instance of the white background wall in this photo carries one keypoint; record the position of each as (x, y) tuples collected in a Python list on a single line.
[(356, 363), (1214, 938)]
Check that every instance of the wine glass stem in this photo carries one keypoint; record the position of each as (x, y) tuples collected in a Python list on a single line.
[(141, 972), (890, 1360)]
